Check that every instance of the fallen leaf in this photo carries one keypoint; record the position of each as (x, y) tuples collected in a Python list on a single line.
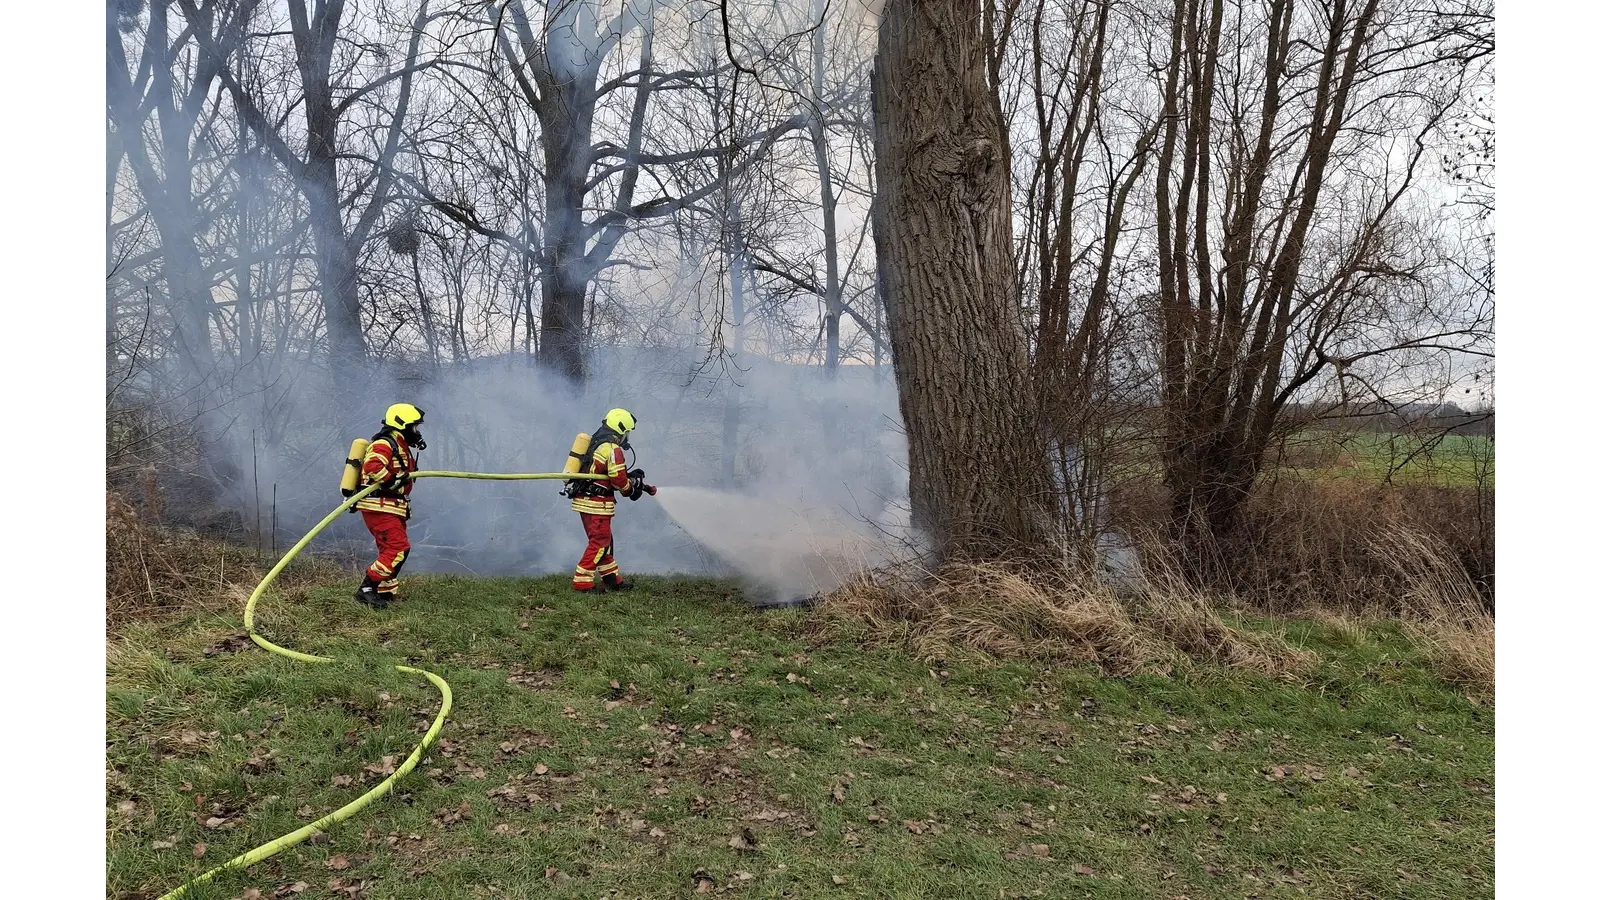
[(913, 826), (199, 849), (338, 863), (215, 822), (342, 780), (838, 791), (250, 894), (838, 879), (541, 769), (744, 840), (1081, 869), (386, 767), (162, 845)]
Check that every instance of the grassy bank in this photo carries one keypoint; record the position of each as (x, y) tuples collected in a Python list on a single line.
[(670, 742)]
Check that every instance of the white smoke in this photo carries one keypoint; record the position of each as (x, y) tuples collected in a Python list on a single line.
[(819, 467)]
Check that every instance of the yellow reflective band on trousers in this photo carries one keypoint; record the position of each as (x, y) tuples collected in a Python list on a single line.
[(278, 845)]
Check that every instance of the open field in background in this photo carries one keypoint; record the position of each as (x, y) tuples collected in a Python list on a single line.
[(672, 742), (1451, 460)]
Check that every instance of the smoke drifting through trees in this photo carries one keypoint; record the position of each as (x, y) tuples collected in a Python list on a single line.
[(511, 211)]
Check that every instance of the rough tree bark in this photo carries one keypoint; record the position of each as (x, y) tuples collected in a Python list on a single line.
[(943, 226)]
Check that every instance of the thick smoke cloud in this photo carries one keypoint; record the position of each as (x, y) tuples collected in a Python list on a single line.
[(819, 472)]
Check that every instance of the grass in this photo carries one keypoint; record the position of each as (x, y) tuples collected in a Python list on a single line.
[(1451, 460), (672, 741)]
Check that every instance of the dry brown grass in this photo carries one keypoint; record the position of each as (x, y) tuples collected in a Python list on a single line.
[(1007, 612), (1313, 545), (1441, 607), (157, 572), (1184, 615)]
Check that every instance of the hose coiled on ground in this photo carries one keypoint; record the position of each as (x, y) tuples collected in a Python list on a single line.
[(280, 844)]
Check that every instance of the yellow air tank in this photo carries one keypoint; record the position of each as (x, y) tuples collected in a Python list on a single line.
[(352, 466), (578, 454)]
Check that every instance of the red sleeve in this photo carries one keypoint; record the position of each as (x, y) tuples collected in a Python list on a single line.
[(379, 461)]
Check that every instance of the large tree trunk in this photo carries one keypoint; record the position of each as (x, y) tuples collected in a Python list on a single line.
[(978, 483), (335, 257), (566, 118)]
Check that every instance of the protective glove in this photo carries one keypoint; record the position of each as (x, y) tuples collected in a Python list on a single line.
[(400, 479), (635, 474), (636, 490)]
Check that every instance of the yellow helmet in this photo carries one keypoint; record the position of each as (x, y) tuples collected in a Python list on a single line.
[(620, 420), (402, 416)]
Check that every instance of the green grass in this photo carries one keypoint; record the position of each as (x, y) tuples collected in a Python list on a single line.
[(1452, 460), (673, 723)]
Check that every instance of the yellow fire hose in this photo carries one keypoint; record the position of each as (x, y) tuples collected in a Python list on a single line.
[(277, 845)]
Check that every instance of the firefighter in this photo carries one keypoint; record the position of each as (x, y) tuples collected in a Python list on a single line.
[(595, 501), (389, 461)]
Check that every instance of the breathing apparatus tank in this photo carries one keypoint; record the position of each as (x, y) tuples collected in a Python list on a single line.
[(578, 454), (352, 466), (576, 457)]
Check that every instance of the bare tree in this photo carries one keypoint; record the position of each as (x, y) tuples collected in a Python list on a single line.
[(328, 94), (557, 64), (1279, 224)]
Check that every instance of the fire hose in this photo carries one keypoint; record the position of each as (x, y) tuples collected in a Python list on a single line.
[(280, 844)]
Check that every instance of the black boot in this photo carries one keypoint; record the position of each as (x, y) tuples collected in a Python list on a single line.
[(614, 583), (367, 595)]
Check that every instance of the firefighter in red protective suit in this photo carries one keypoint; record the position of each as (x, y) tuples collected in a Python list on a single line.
[(390, 460), (595, 501)]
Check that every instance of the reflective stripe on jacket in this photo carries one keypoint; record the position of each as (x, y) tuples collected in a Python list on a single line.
[(387, 457), (598, 497)]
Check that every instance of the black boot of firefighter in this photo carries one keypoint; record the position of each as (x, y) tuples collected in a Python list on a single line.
[(367, 595), (614, 583)]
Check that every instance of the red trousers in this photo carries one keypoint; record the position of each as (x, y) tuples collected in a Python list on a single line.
[(598, 561), (389, 530)]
